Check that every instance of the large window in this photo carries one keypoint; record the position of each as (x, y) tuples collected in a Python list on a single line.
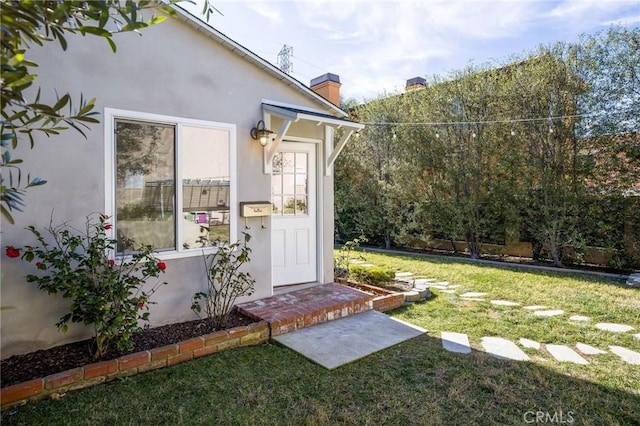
[(173, 185)]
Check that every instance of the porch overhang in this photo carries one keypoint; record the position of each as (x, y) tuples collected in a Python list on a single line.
[(292, 114)]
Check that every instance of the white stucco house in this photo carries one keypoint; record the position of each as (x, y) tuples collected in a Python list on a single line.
[(173, 155)]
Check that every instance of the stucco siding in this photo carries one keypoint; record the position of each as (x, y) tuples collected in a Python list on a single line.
[(173, 70)]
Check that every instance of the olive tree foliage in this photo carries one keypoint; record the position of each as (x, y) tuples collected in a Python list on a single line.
[(26, 23), (552, 179), (365, 183), (610, 64), (463, 179), (493, 153)]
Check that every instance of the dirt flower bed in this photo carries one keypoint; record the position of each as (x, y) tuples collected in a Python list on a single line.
[(20, 368)]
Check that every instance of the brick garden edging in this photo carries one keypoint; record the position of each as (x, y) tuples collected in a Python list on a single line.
[(131, 364), (384, 299)]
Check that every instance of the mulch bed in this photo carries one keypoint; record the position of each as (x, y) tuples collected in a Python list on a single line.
[(20, 368)]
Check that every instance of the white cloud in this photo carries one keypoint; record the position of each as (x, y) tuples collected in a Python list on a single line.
[(267, 12), (376, 45)]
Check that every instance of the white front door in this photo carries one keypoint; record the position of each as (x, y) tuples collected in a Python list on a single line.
[(293, 220)]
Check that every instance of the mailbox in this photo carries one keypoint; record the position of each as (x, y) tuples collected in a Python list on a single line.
[(255, 208)]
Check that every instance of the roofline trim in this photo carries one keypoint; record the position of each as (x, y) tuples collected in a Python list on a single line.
[(321, 119)]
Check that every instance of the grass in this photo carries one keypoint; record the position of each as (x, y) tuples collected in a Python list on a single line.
[(416, 382)]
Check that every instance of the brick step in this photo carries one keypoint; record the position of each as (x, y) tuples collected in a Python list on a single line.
[(303, 308)]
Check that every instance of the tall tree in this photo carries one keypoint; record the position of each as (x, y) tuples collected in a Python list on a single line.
[(365, 176)]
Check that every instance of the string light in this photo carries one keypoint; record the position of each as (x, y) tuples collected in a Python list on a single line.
[(469, 123)]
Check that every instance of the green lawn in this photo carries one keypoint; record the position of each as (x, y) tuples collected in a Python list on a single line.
[(416, 382)]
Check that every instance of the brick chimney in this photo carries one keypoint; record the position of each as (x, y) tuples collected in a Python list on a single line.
[(415, 83), (327, 86)]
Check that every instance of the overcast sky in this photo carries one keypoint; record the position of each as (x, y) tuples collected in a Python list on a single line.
[(375, 46)]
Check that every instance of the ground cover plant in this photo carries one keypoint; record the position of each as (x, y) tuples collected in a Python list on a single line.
[(416, 382)]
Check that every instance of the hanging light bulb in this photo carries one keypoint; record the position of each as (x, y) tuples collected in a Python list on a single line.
[(550, 129), (437, 134), (513, 132), (473, 135), (394, 135)]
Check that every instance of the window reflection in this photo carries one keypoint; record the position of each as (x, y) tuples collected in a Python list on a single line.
[(145, 202), (205, 186)]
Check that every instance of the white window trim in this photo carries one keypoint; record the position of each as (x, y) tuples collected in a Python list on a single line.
[(111, 114)]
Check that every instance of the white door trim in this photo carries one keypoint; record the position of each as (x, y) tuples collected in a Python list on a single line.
[(316, 210)]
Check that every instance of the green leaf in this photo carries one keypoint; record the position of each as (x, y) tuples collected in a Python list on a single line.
[(62, 102), (112, 44), (95, 31)]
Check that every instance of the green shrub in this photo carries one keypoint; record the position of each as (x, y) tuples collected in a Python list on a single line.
[(342, 261), (225, 282), (374, 275), (624, 261), (107, 293)]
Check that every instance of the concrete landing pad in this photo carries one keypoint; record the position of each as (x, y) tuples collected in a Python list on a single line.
[(338, 342)]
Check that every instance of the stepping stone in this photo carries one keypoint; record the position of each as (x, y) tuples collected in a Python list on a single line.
[(440, 287), (578, 318), (551, 313), (534, 307), (503, 349), (474, 299), (616, 328), (472, 294), (504, 303), (589, 350), (443, 283), (366, 265), (411, 296), (455, 286), (637, 336), (455, 342), (356, 261), (634, 280), (423, 281), (529, 343), (564, 353), (448, 291), (425, 293), (404, 274), (627, 355)]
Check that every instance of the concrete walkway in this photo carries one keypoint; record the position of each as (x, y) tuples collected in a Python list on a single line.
[(336, 343)]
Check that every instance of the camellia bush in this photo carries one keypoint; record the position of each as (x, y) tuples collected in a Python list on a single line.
[(107, 293), (225, 281)]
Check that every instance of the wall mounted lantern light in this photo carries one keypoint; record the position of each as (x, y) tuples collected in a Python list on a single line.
[(260, 133)]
